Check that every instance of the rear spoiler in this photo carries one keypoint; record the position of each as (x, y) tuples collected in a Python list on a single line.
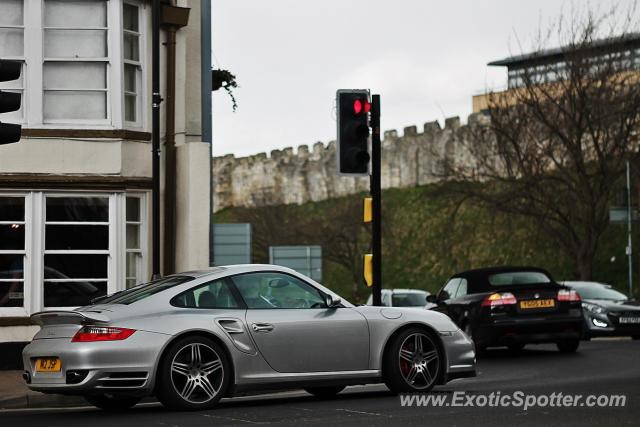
[(67, 317)]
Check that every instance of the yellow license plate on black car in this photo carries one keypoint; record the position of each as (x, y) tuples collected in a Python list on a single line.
[(48, 364), (538, 303)]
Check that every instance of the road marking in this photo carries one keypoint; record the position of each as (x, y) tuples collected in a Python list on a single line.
[(363, 412), (234, 419)]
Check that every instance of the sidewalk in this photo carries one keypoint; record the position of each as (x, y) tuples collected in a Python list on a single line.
[(14, 394)]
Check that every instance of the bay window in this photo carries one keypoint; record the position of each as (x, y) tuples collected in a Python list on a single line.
[(12, 47), (83, 245), (83, 61), (75, 60), (132, 62), (12, 251)]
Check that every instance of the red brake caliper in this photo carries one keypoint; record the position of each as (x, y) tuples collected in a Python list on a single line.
[(404, 366)]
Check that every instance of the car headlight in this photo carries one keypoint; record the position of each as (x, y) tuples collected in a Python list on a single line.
[(594, 308)]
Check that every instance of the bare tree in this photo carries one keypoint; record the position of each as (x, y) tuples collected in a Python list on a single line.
[(554, 147)]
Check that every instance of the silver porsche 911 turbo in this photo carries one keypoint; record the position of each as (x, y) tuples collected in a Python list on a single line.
[(192, 338)]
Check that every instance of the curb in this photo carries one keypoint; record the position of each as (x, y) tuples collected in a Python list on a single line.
[(41, 400)]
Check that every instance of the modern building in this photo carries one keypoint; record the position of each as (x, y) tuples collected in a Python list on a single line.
[(546, 66), (75, 192)]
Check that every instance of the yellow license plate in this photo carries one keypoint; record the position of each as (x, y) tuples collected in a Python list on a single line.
[(48, 364), (538, 303)]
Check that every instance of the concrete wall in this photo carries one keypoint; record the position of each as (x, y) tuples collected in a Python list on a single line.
[(192, 214), (76, 156), (311, 175)]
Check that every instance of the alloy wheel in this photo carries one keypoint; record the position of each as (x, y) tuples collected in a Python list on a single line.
[(197, 373), (419, 361)]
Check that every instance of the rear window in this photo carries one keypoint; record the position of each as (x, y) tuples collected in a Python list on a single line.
[(598, 292), (145, 290), (409, 299), (518, 278)]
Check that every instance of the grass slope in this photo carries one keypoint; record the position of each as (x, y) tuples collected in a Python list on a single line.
[(428, 235)]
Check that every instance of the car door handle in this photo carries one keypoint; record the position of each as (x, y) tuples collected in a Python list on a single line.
[(262, 327)]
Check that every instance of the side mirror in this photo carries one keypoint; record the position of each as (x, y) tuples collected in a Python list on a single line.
[(331, 301), (432, 299)]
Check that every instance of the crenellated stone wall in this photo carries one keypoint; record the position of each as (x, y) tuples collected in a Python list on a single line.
[(311, 175)]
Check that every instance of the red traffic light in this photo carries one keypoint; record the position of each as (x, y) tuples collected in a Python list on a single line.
[(361, 106)]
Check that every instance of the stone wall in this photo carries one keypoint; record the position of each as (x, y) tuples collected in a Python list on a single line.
[(288, 177)]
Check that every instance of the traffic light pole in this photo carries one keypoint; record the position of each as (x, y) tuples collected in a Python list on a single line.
[(376, 195)]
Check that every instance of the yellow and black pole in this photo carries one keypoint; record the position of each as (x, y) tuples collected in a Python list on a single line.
[(376, 195), (367, 268)]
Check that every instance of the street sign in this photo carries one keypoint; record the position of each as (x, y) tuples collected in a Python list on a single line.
[(231, 244), (618, 214), (305, 260)]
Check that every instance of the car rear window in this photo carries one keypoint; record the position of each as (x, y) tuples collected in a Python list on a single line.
[(518, 278), (598, 292), (409, 299), (145, 290)]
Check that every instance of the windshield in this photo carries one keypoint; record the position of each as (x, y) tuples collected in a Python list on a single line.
[(599, 292), (144, 290), (409, 299), (518, 278)]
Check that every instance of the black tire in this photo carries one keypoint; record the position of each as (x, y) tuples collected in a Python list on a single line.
[(425, 368), (189, 382), (516, 347), (112, 403), (568, 346), (325, 392)]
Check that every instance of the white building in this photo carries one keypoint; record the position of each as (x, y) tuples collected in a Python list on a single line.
[(75, 192)]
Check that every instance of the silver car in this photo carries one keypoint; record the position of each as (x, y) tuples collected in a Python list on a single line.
[(192, 338), (402, 298)]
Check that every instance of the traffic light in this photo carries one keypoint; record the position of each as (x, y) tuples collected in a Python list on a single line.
[(353, 107), (9, 101)]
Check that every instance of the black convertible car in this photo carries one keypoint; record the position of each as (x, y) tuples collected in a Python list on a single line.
[(512, 306), (607, 312)]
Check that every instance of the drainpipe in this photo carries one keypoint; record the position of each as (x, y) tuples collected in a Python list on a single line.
[(173, 17), (170, 157), (206, 120), (155, 142)]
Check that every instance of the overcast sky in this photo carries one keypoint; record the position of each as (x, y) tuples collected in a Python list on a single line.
[(425, 58)]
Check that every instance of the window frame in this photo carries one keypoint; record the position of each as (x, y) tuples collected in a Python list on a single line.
[(27, 269), (33, 70), (109, 252), (33, 265), (140, 65), (460, 292), (241, 304), (449, 296), (143, 250), (320, 293), (22, 59), (106, 60)]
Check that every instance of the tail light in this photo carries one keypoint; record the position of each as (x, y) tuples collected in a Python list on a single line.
[(502, 298), (100, 333), (568, 295)]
